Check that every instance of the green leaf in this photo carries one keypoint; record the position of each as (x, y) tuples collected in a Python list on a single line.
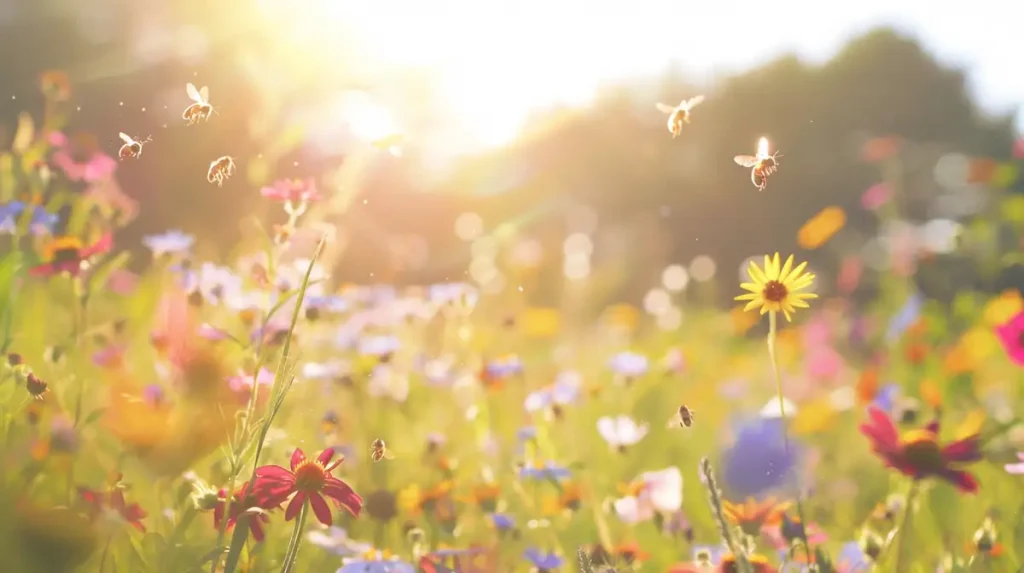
[(93, 416)]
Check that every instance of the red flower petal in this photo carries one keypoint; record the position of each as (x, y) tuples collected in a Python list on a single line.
[(43, 270), (265, 474), (344, 495), (963, 451), (884, 428), (103, 245), (320, 509), (964, 481), (256, 528), (295, 506), (325, 457), (297, 458)]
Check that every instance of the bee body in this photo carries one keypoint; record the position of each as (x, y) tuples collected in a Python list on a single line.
[(379, 451), (132, 148), (680, 114), (200, 109), (220, 169), (761, 165), (685, 416)]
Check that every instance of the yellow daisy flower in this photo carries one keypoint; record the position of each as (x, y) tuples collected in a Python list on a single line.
[(776, 288)]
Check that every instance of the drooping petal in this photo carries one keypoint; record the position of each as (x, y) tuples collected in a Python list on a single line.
[(325, 457), (320, 509), (885, 429), (964, 481), (256, 528), (344, 495), (295, 506)]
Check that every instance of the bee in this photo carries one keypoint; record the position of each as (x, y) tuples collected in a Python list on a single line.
[(131, 148), (220, 169), (200, 109), (762, 165), (685, 416), (680, 114), (379, 451)]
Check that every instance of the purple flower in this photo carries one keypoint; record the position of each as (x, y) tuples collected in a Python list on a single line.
[(758, 460), (543, 561)]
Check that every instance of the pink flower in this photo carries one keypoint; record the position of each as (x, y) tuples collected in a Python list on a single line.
[(876, 196), (1018, 468), (849, 274), (307, 480), (292, 190), (242, 384), (1011, 335), (1018, 149), (824, 363), (81, 159)]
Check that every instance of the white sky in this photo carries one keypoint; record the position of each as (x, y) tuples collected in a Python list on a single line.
[(554, 51)]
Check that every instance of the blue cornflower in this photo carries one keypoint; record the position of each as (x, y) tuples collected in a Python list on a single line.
[(758, 461), (504, 367), (42, 221), (546, 470), (629, 364), (327, 304), (170, 243), (905, 317), (886, 397), (544, 562), (502, 522), (361, 566), (852, 558)]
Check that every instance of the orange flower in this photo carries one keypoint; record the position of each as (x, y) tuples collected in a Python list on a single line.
[(880, 148), (867, 386), (758, 562), (751, 515)]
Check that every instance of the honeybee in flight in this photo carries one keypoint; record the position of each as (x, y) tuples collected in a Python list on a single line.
[(200, 108), (762, 165), (220, 169), (685, 416), (680, 114), (131, 148), (379, 451)]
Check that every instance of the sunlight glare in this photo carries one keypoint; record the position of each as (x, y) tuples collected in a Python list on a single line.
[(762, 147), (368, 120)]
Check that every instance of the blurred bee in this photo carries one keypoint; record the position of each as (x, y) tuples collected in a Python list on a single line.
[(131, 148), (685, 416), (200, 110), (220, 169), (762, 165), (680, 114), (330, 422), (379, 451)]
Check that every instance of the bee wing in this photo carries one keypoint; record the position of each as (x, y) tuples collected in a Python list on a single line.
[(745, 160), (204, 94), (664, 108), (125, 137), (692, 102), (388, 455), (193, 93)]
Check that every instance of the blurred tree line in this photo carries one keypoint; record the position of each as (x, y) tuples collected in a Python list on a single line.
[(674, 198)]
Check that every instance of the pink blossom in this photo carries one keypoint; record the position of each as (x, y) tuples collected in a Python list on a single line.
[(824, 363), (1011, 335), (81, 159), (849, 274), (123, 282), (876, 196), (1018, 149), (1018, 468), (292, 190)]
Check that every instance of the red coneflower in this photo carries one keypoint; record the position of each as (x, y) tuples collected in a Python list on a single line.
[(917, 453), (308, 480), (114, 501), (240, 505), (68, 255)]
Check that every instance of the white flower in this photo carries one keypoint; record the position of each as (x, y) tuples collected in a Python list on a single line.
[(629, 364), (771, 409), (385, 381), (621, 431), (657, 492), (169, 243), (631, 511), (564, 391)]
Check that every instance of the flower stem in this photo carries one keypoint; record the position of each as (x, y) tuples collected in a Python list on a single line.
[(773, 330), (905, 524), (296, 540)]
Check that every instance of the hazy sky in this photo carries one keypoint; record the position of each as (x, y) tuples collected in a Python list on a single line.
[(517, 54)]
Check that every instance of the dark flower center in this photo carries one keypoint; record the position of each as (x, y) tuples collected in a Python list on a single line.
[(67, 255), (922, 451), (309, 477), (774, 291)]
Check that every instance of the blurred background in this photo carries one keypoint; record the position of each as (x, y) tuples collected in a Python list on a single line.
[(520, 140)]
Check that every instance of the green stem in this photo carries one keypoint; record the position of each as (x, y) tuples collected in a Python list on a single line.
[(905, 525), (772, 334), (296, 540)]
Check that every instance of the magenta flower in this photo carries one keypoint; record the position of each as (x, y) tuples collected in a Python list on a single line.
[(81, 159), (308, 480), (1018, 149), (876, 196), (1011, 335), (292, 190)]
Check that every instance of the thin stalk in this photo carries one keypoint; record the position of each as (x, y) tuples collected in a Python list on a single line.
[(772, 334), (905, 525), (295, 541)]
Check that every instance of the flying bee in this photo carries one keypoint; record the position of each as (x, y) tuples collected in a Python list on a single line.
[(680, 114), (200, 110), (131, 148), (379, 451), (685, 416), (762, 165), (220, 169)]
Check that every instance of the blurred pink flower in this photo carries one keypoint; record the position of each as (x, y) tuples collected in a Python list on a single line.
[(80, 158), (824, 363), (122, 282), (1018, 468), (1018, 149), (816, 332), (110, 357), (293, 190), (1011, 335), (109, 196), (876, 196), (849, 274)]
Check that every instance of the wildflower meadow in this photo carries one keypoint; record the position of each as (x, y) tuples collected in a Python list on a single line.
[(170, 407)]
